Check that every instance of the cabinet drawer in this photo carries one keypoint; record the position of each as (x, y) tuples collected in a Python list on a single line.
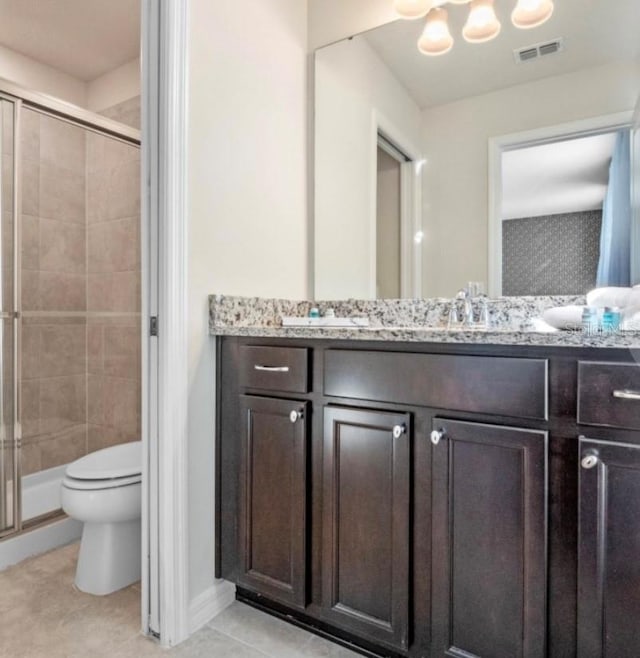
[(275, 368), (488, 385), (609, 394)]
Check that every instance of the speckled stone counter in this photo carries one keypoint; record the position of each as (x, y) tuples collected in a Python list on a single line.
[(512, 322)]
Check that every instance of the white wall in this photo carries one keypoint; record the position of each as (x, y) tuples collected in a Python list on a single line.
[(35, 76), (247, 198), (354, 90), (332, 20), (456, 135), (114, 87)]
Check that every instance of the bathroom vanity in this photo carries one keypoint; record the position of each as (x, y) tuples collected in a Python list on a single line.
[(428, 498)]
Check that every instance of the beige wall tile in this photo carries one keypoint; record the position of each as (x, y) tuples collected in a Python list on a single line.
[(30, 458), (7, 240), (62, 403), (95, 400), (66, 447), (30, 134), (30, 351), (30, 408), (62, 144), (61, 291), (105, 153), (114, 193), (124, 190), (53, 319), (114, 246), (6, 118), (7, 183), (118, 292), (30, 242), (7, 290), (30, 187), (101, 436), (97, 196), (127, 112), (95, 349), (62, 194), (121, 403), (30, 290), (63, 350), (122, 352), (62, 247)]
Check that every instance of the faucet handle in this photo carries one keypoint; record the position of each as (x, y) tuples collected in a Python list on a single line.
[(484, 320)]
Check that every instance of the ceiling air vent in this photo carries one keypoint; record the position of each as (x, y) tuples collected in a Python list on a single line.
[(538, 50)]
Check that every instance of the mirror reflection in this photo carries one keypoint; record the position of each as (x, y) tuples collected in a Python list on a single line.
[(513, 163)]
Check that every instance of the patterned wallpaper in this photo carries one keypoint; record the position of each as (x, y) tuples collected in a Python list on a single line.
[(551, 255)]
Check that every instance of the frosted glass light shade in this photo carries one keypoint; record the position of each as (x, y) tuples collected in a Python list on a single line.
[(411, 9), (531, 13), (482, 24), (436, 38)]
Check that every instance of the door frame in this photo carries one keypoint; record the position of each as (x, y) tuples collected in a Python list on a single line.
[(545, 135), (410, 211), (165, 596)]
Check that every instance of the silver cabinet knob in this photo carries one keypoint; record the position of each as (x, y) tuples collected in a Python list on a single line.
[(590, 459), (437, 436), (295, 416), (399, 430)]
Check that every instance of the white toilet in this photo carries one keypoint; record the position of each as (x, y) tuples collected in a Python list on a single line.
[(103, 490)]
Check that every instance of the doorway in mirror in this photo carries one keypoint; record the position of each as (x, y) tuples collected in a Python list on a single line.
[(560, 209)]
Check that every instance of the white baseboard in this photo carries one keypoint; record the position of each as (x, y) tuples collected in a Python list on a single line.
[(210, 603)]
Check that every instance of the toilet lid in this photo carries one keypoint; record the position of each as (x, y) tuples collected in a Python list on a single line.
[(94, 485), (116, 462)]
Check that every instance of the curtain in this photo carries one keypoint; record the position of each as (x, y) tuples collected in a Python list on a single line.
[(614, 267)]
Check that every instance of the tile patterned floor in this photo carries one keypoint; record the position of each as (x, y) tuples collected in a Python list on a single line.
[(43, 616)]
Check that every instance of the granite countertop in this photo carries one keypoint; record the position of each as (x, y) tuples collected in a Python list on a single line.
[(407, 321)]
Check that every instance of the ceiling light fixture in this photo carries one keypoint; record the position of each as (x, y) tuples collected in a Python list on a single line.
[(436, 38), (410, 9), (482, 24), (531, 13)]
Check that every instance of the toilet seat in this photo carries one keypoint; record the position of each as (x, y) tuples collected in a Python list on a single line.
[(112, 463), (98, 484)]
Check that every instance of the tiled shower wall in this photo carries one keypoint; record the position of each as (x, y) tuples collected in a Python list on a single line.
[(80, 292)]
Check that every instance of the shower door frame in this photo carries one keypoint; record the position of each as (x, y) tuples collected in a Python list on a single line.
[(45, 105), (13, 315)]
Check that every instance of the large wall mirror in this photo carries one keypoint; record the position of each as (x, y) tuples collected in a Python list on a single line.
[(514, 162)]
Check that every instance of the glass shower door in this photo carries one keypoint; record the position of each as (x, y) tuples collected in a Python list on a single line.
[(9, 461)]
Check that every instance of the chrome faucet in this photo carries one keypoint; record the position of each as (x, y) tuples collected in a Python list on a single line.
[(461, 311)]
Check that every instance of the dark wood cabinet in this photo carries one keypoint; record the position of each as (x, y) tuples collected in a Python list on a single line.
[(609, 550), (366, 534), (273, 498), (489, 546), (487, 539)]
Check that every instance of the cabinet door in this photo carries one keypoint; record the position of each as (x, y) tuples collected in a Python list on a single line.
[(489, 541), (273, 498), (609, 550), (366, 507)]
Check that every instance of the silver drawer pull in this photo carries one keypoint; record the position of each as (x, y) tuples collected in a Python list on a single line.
[(626, 394), (272, 368)]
